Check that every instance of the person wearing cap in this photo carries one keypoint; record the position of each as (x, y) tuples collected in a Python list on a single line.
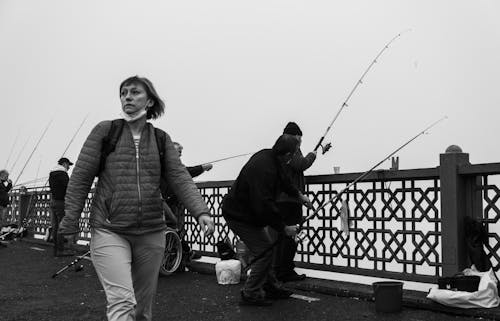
[(291, 209), (58, 183), (250, 211), (5, 186)]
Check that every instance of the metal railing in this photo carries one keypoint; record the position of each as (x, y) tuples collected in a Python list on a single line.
[(404, 224)]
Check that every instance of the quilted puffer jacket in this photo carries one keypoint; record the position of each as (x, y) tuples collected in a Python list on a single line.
[(127, 198)]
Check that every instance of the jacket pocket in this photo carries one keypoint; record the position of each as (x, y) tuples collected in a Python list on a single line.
[(108, 203)]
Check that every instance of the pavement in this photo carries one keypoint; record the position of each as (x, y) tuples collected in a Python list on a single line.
[(196, 296), (411, 299)]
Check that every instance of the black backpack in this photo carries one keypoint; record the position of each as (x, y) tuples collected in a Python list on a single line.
[(225, 250), (476, 236), (109, 143)]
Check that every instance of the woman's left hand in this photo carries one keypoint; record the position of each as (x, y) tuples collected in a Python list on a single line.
[(206, 223)]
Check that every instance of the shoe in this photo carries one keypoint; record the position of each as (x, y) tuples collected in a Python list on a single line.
[(254, 300), (65, 253), (195, 255), (278, 294), (291, 277)]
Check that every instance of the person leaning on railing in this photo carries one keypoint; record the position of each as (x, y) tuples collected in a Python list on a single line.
[(127, 223), (250, 208)]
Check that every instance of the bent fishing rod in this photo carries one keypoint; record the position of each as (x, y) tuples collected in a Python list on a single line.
[(336, 196), (326, 147), (226, 158)]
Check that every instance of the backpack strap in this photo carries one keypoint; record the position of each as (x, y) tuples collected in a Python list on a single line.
[(161, 141), (109, 142)]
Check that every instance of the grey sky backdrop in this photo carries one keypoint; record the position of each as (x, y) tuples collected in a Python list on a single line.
[(233, 73)]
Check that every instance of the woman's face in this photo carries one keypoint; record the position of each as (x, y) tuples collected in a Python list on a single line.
[(134, 98)]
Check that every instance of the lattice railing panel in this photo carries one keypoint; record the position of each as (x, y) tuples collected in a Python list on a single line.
[(395, 228)]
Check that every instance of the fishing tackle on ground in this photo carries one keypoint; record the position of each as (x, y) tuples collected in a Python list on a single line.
[(77, 268)]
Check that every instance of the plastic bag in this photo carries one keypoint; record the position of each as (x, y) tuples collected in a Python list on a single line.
[(485, 297), (228, 271)]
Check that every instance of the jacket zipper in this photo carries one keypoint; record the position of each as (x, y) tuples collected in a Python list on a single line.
[(139, 215)]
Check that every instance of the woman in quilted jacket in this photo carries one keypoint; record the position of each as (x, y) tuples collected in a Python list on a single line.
[(127, 222)]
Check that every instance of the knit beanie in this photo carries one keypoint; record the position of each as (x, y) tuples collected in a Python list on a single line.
[(292, 129)]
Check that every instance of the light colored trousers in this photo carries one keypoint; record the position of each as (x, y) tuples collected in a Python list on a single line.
[(128, 267)]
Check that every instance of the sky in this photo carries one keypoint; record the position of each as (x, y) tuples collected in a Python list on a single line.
[(233, 73)]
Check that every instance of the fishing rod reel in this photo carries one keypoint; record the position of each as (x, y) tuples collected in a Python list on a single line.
[(325, 148)]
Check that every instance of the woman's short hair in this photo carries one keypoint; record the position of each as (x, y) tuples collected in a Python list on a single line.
[(158, 107), (4, 172), (286, 144)]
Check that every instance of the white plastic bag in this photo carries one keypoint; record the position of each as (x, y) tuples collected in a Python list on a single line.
[(228, 271), (486, 295)]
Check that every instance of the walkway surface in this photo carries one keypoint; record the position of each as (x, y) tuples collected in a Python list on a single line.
[(28, 293)]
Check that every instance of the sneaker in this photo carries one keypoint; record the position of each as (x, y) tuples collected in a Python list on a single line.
[(254, 300), (291, 277), (278, 294), (195, 255)]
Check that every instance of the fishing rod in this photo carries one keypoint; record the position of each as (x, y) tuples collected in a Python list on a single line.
[(20, 153), (332, 199), (226, 158), (345, 103), (77, 268), (27, 218), (32, 181), (12, 148), (74, 135), (65, 150), (34, 149)]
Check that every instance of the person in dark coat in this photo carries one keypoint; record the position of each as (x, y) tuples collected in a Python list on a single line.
[(250, 208), (58, 183), (5, 186), (291, 209)]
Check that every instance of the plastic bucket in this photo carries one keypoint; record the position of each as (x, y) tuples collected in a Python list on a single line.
[(388, 296)]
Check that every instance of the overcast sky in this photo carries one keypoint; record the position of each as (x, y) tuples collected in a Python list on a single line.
[(233, 73)]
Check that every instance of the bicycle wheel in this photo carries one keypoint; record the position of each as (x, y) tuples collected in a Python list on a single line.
[(173, 253)]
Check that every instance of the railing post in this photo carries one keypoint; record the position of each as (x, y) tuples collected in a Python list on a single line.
[(453, 210), (24, 204)]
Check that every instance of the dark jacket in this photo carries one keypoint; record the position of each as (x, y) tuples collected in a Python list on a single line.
[(295, 170), (4, 193), (252, 198), (170, 197), (127, 198), (58, 182)]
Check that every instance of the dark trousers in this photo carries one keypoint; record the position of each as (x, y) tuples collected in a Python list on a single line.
[(283, 260), (57, 207), (261, 274)]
